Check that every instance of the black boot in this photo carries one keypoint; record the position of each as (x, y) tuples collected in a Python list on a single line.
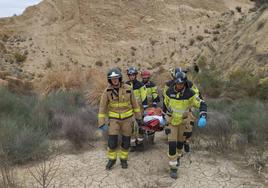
[(186, 147), (140, 147), (124, 164), (110, 164), (178, 162), (173, 173), (132, 148)]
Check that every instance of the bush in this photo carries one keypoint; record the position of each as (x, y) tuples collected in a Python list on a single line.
[(235, 125), (218, 131), (96, 87), (250, 117), (21, 142), (48, 111), (210, 84), (15, 105), (61, 80), (200, 37), (80, 127), (20, 58), (263, 88), (27, 123), (48, 64), (99, 63), (242, 81)]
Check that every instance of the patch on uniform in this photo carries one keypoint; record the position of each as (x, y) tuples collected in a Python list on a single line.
[(128, 91)]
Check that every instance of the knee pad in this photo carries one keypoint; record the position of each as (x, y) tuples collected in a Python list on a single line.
[(125, 142), (112, 141), (179, 145), (172, 148), (187, 134), (192, 123)]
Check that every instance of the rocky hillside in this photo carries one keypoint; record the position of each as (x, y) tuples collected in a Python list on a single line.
[(229, 34), (244, 46)]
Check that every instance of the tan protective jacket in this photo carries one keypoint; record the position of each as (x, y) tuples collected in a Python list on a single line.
[(118, 104)]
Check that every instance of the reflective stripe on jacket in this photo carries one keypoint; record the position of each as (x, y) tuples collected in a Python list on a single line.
[(152, 92), (140, 92), (178, 104), (118, 104)]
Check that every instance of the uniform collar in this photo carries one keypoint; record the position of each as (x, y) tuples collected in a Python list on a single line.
[(179, 93)]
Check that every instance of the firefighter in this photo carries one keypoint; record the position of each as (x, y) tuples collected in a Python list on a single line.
[(173, 72), (118, 104), (140, 93), (179, 99), (152, 91), (190, 121)]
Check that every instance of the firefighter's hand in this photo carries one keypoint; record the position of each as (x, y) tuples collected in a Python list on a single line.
[(202, 122), (103, 127), (167, 117), (139, 122)]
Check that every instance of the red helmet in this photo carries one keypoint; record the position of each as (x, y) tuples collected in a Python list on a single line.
[(145, 74)]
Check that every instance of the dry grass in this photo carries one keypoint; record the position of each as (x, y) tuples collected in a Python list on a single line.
[(96, 80), (61, 80), (92, 82)]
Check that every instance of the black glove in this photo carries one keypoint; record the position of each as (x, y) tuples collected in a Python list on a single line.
[(167, 131)]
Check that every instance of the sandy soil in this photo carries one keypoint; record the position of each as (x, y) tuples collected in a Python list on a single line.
[(148, 169)]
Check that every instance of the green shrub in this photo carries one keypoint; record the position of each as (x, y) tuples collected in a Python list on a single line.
[(262, 91), (21, 142), (27, 123), (15, 105), (209, 83), (236, 124), (250, 116), (242, 81)]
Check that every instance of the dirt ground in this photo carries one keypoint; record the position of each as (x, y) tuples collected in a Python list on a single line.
[(147, 169)]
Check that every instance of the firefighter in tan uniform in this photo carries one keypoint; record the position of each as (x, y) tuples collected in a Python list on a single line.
[(118, 104), (179, 98)]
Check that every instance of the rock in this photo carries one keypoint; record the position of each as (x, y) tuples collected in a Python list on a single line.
[(216, 32)]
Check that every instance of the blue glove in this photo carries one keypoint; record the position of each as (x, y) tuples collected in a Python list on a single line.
[(202, 122), (103, 128)]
